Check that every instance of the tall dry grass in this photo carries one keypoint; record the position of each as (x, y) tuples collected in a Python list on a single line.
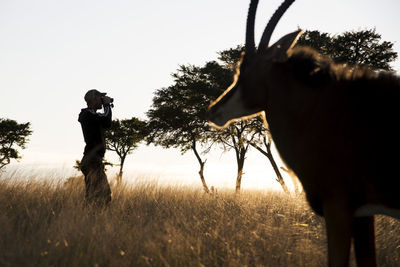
[(44, 224)]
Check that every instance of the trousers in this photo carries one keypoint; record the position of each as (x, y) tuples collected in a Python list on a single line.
[(97, 189)]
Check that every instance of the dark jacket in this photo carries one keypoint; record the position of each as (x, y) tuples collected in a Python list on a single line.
[(93, 125)]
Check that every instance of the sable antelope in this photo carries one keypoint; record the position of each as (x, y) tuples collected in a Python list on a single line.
[(334, 126)]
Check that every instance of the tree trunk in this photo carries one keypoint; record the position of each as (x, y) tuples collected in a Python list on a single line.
[(239, 173), (121, 166), (271, 159), (203, 180), (279, 177), (240, 158), (295, 180), (201, 171)]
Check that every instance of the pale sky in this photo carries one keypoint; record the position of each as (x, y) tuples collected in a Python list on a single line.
[(52, 52)]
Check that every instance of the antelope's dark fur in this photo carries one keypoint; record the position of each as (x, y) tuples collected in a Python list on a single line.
[(364, 104), (335, 126), (316, 70)]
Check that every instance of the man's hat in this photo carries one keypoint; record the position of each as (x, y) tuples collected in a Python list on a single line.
[(92, 94)]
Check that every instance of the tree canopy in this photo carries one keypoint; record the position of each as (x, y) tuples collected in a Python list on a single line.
[(363, 47), (12, 136), (123, 137), (178, 116)]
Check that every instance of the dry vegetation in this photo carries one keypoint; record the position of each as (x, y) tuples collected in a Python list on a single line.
[(44, 224)]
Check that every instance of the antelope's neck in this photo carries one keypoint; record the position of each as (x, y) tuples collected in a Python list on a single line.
[(293, 120)]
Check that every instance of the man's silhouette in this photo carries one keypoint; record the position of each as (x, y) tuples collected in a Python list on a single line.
[(98, 191)]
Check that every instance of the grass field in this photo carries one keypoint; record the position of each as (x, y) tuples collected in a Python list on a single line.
[(44, 224)]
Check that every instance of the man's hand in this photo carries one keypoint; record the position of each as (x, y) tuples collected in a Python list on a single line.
[(107, 100)]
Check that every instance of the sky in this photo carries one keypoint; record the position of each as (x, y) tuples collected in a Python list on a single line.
[(53, 51)]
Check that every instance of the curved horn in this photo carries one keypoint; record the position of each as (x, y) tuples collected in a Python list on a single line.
[(250, 46), (272, 24)]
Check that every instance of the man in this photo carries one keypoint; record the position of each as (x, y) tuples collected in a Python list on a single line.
[(98, 191)]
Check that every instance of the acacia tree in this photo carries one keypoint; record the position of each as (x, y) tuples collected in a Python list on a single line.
[(265, 140), (239, 136), (363, 47), (254, 133), (12, 135), (123, 137), (178, 115)]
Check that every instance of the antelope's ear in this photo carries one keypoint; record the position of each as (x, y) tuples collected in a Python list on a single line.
[(282, 48)]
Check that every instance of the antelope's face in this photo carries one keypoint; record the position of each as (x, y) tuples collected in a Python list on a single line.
[(244, 97), (247, 97)]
